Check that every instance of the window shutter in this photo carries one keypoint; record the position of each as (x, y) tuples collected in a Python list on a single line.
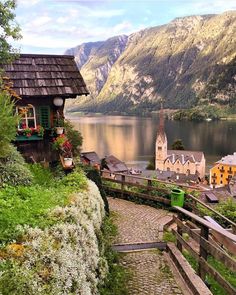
[(44, 116)]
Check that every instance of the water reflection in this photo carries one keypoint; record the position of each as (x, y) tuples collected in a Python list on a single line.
[(133, 138)]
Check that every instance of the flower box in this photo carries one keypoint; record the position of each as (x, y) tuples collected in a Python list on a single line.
[(28, 138)]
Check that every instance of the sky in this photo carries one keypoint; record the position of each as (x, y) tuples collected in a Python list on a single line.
[(52, 26)]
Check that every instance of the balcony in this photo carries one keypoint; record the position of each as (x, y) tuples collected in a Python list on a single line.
[(230, 171), (214, 177), (222, 170)]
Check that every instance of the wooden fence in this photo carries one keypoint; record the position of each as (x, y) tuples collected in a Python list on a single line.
[(206, 239), (151, 190), (204, 242)]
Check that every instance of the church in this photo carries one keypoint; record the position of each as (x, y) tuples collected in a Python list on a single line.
[(179, 161)]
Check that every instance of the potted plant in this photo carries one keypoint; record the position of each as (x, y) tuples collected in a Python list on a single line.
[(28, 132), (59, 128), (64, 147), (40, 131), (66, 150)]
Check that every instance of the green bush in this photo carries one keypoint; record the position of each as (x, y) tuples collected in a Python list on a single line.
[(41, 175), (13, 169), (94, 175), (28, 205), (8, 122), (74, 137), (115, 283)]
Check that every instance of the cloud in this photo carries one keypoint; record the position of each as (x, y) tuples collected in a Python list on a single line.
[(27, 3), (40, 21), (204, 7), (54, 24), (105, 13), (125, 26)]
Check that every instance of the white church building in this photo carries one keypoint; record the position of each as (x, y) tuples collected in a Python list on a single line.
[(179, 161)]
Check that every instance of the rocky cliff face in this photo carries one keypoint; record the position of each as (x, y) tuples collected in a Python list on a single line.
[(176, 62)]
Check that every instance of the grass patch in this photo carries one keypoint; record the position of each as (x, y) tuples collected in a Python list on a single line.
[(115, 283), (169, 237), (215, 288), (28, 205)]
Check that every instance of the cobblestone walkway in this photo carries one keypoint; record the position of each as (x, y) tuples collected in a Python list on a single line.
[(138, 223), (149, 272)]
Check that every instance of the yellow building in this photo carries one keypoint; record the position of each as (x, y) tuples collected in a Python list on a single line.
[(223, 171)]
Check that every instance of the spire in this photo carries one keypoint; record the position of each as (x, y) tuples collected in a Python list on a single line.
[(161, 119), (161, 129)]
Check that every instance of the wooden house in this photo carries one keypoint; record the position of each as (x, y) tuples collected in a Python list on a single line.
[(110, 165), (43, 82), (91, 158)]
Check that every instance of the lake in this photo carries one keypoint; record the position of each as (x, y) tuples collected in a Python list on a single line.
[(132, 139)]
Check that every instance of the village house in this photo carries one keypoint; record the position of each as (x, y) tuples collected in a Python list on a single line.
[(91, 158), (43, 82), (223, 171), (110, 165), (178, 161)]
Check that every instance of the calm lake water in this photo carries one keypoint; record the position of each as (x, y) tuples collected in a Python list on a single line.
[(132, 139)]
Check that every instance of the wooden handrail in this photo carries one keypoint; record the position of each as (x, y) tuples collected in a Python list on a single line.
[(149, 186), (153, 179), (212, 210), (207, 224)]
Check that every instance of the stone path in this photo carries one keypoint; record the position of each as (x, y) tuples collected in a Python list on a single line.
[(138, 223), (149, 271)]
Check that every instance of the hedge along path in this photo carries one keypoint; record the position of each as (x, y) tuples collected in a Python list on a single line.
[(149, 270)]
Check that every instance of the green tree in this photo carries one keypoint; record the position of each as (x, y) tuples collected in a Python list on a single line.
[(177, 145), (9, 30), (8, 122)]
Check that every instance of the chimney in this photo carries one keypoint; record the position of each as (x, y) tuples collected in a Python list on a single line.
[(182, 159), (173, 158)]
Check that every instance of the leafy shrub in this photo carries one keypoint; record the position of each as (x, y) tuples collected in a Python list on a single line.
[(41, 175), (8, 122), (228, 209), (74, 137), (13, 169), (115, 282), (75, 180), (63, 258), (94, 175)]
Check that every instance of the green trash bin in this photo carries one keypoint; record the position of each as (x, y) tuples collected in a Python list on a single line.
[(177, 197)]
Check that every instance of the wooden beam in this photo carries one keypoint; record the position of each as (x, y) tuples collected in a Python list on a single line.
[(159, 181), (141, 195), (185, 245), (218, 254), (147, 187), (207, 224), (218, 277), (233, 224), (189, 231)]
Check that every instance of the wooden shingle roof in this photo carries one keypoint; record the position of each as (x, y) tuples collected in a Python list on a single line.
[(46, 75)]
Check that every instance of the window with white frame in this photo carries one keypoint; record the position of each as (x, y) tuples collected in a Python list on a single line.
[(27, 117)]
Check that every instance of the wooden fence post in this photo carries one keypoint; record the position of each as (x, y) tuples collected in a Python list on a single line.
[(180, 232), (149, 185), (122, 185), (203, 252)]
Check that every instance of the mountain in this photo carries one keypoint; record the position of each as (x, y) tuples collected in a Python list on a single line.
[(183, 63)]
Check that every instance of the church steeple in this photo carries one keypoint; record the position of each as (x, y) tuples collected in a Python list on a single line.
[(161, 129), (161, 142)]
